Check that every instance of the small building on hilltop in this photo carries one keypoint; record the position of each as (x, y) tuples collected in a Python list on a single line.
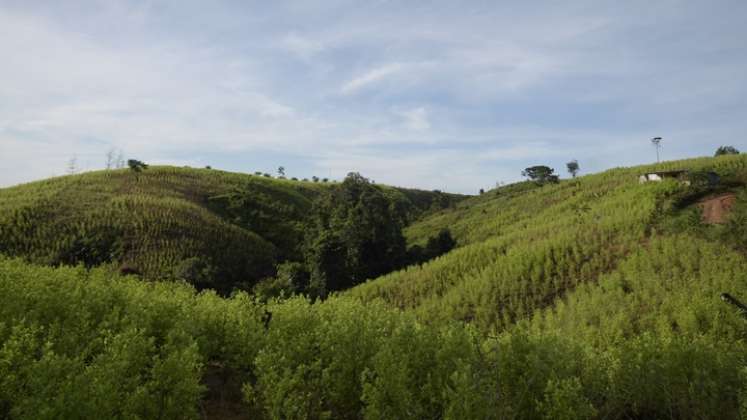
[(702, 178), (681, 175)]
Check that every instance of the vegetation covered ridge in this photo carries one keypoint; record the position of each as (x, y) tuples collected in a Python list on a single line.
[(523, 246), (593, 298), (213, 228)]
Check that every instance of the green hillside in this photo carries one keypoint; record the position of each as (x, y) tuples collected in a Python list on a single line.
[(593, 298), (215, 228), (523, 246)]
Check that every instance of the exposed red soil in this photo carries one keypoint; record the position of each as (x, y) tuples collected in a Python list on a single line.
[(716, 208)]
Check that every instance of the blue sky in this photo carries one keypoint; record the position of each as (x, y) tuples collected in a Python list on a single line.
[(448, 95)]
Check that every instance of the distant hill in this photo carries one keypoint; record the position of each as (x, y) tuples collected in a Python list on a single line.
[(219, 227)]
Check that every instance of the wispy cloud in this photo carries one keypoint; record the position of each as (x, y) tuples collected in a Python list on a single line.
[(437, 95), (370, 77), (303, 47), (416, 119)]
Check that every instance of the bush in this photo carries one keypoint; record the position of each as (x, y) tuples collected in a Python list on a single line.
[(136, 165), (195, 271)]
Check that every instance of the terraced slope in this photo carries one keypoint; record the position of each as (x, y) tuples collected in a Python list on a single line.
[(524, 246), (214, 228)]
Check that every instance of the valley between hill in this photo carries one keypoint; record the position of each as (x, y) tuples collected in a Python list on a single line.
[(595, 297)]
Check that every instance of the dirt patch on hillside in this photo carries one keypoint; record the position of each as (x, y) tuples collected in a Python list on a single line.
[(716, 208)]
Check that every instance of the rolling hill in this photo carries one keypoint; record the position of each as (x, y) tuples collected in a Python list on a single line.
[(222, 228), (593, 298), (523, 246)]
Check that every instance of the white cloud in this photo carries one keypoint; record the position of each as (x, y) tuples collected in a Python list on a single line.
[(416, 119), (381, 87), (303, 47), (370, 77)]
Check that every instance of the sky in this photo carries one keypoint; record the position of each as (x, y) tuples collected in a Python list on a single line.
[(450, 95)]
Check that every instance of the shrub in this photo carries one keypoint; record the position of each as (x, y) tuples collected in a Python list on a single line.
[(136, 165)]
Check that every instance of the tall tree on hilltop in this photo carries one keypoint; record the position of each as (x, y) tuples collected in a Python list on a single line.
[(573, 167), (72, 165), (540, 174), (726, 150), (110, 159)]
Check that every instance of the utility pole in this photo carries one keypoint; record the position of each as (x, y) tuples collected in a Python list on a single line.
[(656, 141)]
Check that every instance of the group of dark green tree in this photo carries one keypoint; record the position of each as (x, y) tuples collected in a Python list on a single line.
[(354, 233)]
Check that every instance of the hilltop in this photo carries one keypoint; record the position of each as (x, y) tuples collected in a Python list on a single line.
[(523, 246), (218, 228)]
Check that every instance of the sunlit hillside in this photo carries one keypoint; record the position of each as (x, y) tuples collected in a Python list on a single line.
[(593, 298), (163, 222), (522, 247)]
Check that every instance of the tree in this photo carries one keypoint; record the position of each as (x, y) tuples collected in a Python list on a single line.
[(436, 246), (281, 171), (573, 167), (353, 235), (291, 278), (136, 165), (110, 159), (120, 161), (540, 174), (72, 165), (482, 191), (439, 245), (315, 178), (196, 271), (656, 141), (726, 150)]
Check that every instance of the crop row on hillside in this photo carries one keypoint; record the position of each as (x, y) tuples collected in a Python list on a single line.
[(216, 229), (522, 252), (78, 344)]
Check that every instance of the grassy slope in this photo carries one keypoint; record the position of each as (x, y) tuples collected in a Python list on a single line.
[(522, 247), (153, 221), (639, 333)]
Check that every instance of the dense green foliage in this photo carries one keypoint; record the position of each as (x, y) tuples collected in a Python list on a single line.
[(573, 167), (726, 150), (214, 228), (596, 297), (540, 174), (136, 165), (355, 234)]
